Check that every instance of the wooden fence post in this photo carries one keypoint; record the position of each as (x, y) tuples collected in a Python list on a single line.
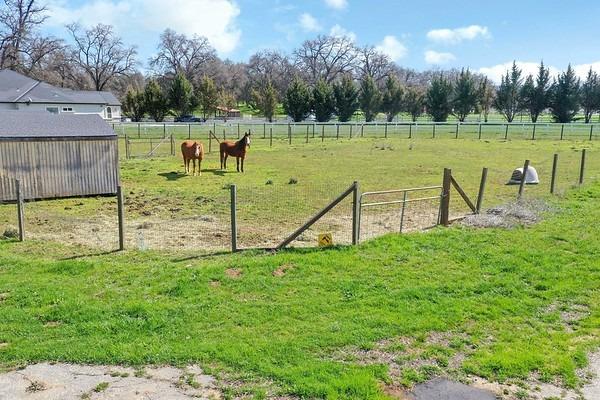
[(210, 141), (233, 218), (172, 145), (591, 131), (121, 217), (445, 200), (289, 133), (322, 133), (582, 167), (337, 131), (523, 178), (434, 130), (562, 131), (553, 178), (126, 147), (457, 128), (238, 130), (355, 213), (20, 210), (506, 132), (164, 130), (385, 130), (189, 131), (350, 130), (362, 130), (313, 130), (479, 134), (264, 130), (410, 131), (481, 190)]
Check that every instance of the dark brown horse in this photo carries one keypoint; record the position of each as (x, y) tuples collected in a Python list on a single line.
[(192, 150), (234, 149)]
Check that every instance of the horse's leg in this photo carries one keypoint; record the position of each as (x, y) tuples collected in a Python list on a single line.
[(237, 163), (242, 163), (199, 169), (225, 160), (221, 154), (186, 165), (194, 161)]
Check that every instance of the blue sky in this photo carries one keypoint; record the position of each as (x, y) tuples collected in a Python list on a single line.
[(483, 36)]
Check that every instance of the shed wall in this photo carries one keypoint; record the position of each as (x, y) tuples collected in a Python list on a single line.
[(59, 168)]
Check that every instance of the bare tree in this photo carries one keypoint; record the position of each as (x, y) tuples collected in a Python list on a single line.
[(178, 53), (18, 21), (270, 66), (375, 64), (101, 54), (326, 57)]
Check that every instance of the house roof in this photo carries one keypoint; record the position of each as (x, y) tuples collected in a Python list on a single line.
[(41, 125), (18, 88)]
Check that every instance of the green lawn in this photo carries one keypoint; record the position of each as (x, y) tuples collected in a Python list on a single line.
[(499, 296)]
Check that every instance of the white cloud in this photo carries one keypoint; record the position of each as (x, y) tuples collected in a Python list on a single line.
[(437, 58), (309, 23), (581, 70), (457, 35), (337, 4), (214, 19), (338, 31), (392, 47)]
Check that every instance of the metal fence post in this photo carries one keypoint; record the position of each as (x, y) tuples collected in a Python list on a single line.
[(403, 208), (238, 130), (445, 201), (350, 131), (307, 128), (385, 130), (562, 130), (164, 131), (434, 130), (355, 213), (270, 136), (533, 133), (139, 131), (410, 131), (289, 133), (264, 130), (479, 132), (591, 131), (172, 145), (233, 218), (506, 132), (553, 179), (121, 217), (189, 131), (582, 167), (322, 133), (457, 128), (481, 190), (20, 211), (523, 178)]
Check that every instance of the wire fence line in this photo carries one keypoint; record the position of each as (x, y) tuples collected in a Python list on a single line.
[(148, 134), (266, 214)]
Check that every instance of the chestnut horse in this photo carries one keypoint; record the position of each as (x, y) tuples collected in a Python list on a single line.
[(192, 150), (234, 149)]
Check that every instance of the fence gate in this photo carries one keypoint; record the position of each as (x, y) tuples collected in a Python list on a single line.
[(148, 147), (398, 210)]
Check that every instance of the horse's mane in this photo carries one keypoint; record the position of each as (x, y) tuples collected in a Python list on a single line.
[(241, 144)]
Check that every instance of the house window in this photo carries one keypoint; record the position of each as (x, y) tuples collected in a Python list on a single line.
[(108, 112), (67, 109), (52, 110)]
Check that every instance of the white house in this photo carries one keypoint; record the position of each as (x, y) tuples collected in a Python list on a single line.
[(18, 92)]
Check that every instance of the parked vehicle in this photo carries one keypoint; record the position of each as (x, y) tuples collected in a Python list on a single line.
[(188, 118)]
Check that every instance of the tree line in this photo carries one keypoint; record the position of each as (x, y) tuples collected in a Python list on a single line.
[(326, 77)]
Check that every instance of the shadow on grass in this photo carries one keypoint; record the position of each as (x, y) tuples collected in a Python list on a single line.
[(173, 175), (84, 255), (216, 171)]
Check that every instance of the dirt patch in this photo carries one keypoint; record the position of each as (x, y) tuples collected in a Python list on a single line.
[(70, 382), (233, 273), (509, 215), (282, 270)]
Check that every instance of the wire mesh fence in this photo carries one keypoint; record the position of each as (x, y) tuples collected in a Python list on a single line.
[(269, 214)]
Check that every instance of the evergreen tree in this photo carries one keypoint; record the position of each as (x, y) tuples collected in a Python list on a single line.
[(465, 96), (370, 98), (565, 96), (297, 100), (346, 98), (181, 95), (535, 95), (208, 96), (323, 101), (134, 104), (590, 95), (155, 101), (486, 98), (265, 98), (438, 99), (414, 102), (393, 97), (508, 96)]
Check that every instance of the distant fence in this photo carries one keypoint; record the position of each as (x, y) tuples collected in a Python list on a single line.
[(295, 133), (272, 215)]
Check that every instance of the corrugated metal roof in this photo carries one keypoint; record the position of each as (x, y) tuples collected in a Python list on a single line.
[(33, 124), (17, 88)]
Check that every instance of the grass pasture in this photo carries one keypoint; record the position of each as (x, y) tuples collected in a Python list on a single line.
[(166, 209), (502, 304)]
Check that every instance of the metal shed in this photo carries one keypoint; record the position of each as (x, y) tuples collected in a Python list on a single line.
[(56, 156)]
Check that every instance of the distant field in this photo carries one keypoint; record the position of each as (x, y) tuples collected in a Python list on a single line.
[(165, 209)]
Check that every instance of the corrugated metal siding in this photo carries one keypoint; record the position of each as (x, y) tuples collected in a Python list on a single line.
[(59, 168)]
